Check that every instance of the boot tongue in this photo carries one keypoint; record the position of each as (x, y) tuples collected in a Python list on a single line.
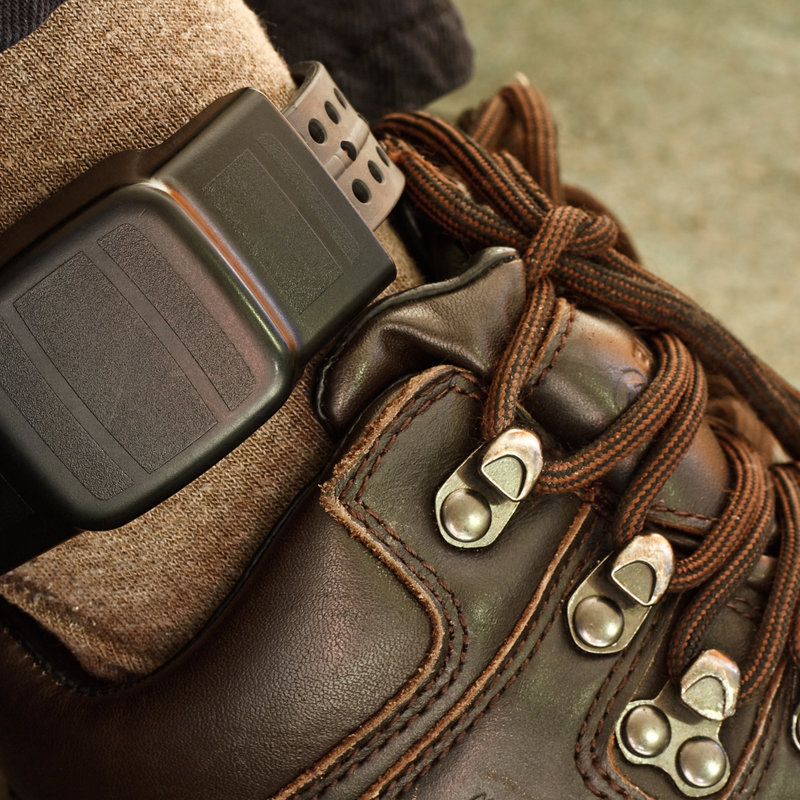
[(465, 321)]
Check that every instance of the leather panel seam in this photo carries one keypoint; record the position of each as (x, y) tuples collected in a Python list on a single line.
[(678, 512), (784, 721), (594, 752), (442, 737), (440, 753), (361, 511), (596, 764), (356, 466), (764, 728), (565, 334), (388, 732)]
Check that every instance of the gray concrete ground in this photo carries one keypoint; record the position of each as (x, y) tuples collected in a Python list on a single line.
[(681, 116)]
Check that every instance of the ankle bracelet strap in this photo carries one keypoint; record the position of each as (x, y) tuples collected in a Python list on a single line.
[(341, 139)]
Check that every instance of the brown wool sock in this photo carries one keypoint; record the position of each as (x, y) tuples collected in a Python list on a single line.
[(101, 76)]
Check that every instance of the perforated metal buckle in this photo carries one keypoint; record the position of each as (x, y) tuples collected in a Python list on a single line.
[(145, 337)]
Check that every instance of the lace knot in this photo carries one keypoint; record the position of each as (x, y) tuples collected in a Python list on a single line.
[(595, 236), (568, 229)]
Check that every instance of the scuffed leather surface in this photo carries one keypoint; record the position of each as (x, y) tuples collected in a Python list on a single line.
[(498, 591), (537, 721), (530, 715), (364, 657)]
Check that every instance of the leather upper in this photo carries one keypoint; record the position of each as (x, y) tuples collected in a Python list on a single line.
[(363, 656)]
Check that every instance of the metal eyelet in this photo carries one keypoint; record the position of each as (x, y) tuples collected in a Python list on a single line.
[(710, 686), (678, 731), (476, 502), (608, 608)]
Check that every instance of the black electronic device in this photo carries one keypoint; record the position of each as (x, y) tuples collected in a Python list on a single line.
[(157, 326)]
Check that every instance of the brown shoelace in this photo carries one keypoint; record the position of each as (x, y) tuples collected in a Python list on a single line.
[(496, 182)]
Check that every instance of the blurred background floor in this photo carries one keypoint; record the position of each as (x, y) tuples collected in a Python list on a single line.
[(683, 118)]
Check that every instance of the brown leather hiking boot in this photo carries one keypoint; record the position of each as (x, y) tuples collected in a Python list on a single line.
[(554, 555)]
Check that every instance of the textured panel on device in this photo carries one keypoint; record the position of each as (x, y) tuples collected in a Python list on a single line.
[(299, 274), (183, 311), (41, 406), (114, 362)]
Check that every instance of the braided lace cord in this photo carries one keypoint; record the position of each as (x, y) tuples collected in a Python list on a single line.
[(472, 186)]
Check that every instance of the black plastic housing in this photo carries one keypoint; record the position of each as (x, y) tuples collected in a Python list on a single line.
[(154, 330)]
